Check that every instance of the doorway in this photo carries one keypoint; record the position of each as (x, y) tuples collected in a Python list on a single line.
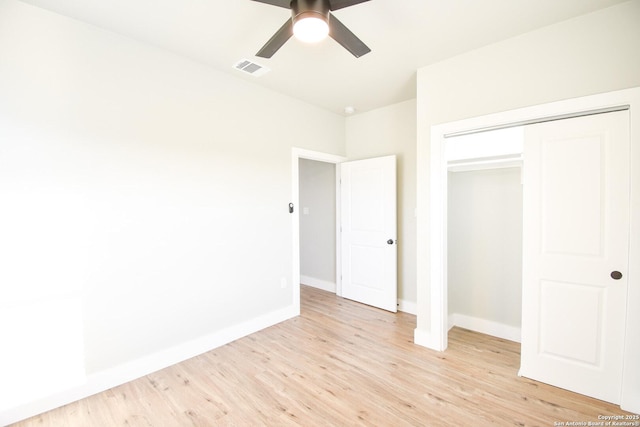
[(298, 155), (366, 242), (484, 238), (317, 216)]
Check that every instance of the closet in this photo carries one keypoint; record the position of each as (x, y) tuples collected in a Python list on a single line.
[(485, 232), (575, 222)]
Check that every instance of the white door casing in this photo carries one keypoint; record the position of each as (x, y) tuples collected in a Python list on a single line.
[(575, 234), (368, 234)]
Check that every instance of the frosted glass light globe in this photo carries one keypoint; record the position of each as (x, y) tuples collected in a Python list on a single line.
[(310, 29)]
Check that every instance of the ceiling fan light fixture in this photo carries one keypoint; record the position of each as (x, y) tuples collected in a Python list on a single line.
[(310, 27), (312, 21)]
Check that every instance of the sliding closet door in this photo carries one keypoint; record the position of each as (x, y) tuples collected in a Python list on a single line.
[(575, 253)]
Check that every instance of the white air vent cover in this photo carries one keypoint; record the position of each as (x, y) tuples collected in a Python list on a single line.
[(250, 67)]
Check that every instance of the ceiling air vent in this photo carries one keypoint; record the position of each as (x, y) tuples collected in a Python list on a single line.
[(252, 68)]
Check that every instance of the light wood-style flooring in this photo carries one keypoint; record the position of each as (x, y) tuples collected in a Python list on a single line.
[(339, 364)]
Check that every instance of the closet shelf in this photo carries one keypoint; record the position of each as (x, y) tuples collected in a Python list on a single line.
[(481, 163)]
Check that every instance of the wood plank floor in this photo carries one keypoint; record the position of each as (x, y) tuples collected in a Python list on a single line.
[(339, 364)]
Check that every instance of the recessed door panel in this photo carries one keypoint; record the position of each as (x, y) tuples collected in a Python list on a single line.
[(362, 257), (572, 214), (367, 211), (572, 335)]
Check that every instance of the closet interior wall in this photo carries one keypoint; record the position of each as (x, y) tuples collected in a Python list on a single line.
[(485, 246)]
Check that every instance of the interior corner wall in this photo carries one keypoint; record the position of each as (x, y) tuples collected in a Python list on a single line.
[(385, 131), (590, 54), (152, 189), (317, 224)]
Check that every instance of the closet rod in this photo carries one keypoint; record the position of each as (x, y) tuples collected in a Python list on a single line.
[(541, 120)]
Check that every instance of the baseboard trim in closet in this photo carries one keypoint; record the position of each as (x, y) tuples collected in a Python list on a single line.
[(325, 285), (484, 326)]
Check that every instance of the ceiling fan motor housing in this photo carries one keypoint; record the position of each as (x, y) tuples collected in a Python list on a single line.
[(301, 9)]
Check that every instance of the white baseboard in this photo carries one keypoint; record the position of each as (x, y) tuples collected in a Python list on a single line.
[(104, 380), (403, 305), (484, 326), (325, 285), (633, 407), (407, 306)]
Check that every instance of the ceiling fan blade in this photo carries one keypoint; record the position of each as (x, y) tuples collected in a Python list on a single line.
[(280, 3), (277, 40), (339, 4), (346, 38)]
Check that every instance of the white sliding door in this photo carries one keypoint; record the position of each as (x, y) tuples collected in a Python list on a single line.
[(575, 253)]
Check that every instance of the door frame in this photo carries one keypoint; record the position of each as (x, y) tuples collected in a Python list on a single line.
[(432, 244), (296, 155)]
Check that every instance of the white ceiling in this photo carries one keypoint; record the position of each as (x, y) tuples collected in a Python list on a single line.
[(403, 35)]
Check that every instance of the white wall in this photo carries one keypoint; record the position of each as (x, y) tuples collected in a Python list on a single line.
[(150, 189), (591, 54), (485, 245), (317, 212), (381, 132)]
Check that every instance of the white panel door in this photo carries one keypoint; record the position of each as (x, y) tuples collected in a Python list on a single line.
[(575, 237), (368, 214)]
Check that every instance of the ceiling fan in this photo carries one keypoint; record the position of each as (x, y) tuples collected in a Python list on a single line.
[(312, 20)]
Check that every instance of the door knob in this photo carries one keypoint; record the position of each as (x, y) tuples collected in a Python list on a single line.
[(616, 275), (390, 242)]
